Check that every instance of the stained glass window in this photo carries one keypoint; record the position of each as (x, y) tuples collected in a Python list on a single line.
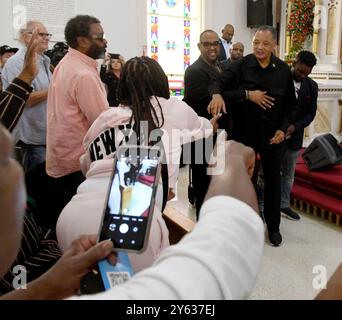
[(174, 27)]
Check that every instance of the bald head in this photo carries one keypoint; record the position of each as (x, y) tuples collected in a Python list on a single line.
[(207, 33), (12, 202), (237, 51), (228, 33)]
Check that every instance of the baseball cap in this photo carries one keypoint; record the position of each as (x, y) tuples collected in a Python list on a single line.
[(114, 56), (4, 49)]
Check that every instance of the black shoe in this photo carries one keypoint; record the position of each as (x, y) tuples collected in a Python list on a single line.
[(290, 213), (275, 238)]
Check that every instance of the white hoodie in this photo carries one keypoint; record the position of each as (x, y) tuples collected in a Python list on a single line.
[(84, 212), (181, 125)]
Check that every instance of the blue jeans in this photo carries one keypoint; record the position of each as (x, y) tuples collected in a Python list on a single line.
[(287, 177), (30, 156)]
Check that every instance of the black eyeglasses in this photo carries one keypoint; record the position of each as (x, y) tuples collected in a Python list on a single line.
[(42, 34), (207, 44)]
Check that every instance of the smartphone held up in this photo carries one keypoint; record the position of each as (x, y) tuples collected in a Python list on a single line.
[(130, 199)]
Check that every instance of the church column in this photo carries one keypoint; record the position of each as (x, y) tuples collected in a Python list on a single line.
[(317, 26), (288, 34), (330, 34)]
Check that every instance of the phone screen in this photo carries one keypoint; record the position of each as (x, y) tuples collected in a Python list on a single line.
[(130, 200)]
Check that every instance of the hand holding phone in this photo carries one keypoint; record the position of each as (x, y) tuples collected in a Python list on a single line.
[(131, 197), (127, 215)]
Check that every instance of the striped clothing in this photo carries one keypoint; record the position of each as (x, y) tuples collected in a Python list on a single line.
[(38, 253), (12, 102)]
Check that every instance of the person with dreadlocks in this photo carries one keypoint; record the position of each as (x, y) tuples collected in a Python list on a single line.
[(145, 98)]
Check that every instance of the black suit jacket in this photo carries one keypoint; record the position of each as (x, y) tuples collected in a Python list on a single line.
[(307, 108), (223, 55), (197, 80)]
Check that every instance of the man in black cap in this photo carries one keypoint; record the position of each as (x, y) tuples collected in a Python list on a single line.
[(5, 53)]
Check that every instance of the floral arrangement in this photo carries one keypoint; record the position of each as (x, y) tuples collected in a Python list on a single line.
[(300, 24), (301, 18)]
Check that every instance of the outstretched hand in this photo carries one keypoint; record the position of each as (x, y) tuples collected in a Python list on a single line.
[(217, 105), (214, 122), (30, 69)]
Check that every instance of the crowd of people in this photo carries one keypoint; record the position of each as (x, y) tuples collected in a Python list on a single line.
[(66, 127)]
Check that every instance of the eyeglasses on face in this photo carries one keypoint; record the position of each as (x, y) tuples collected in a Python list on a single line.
[(42, 34), (99, 36), (207, 44)]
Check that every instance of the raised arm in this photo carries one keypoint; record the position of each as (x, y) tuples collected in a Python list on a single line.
[(196, 267), (14, 98)]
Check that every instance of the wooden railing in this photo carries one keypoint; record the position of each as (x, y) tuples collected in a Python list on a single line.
[(178, 224)]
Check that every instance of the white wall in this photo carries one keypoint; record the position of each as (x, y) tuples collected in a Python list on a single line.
[(6, 33), (125, 24), (218, 13), (123, 21)]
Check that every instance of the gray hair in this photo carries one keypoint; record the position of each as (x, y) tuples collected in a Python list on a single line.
[(28, 27), (272, 30)]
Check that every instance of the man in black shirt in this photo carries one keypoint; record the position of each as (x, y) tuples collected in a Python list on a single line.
[(197, 79), (200, 74), (262, 112)]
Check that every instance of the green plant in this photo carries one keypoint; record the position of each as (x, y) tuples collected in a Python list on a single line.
[(296, 47)]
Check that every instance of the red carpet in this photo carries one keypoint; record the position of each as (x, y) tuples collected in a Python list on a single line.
[(321, 188)]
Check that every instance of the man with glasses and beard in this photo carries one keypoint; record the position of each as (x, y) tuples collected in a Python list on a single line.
[(76, 98)]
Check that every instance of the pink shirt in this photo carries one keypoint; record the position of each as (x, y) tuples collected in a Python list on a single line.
[(76, 98)]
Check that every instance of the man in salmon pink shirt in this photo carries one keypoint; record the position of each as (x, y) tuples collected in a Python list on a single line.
[(76, 98)]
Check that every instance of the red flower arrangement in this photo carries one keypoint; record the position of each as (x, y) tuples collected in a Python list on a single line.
[(301, 19), (300, 25)]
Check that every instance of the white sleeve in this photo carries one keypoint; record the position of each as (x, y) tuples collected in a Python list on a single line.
[(186, 127), (220, 259), (193, 127)]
